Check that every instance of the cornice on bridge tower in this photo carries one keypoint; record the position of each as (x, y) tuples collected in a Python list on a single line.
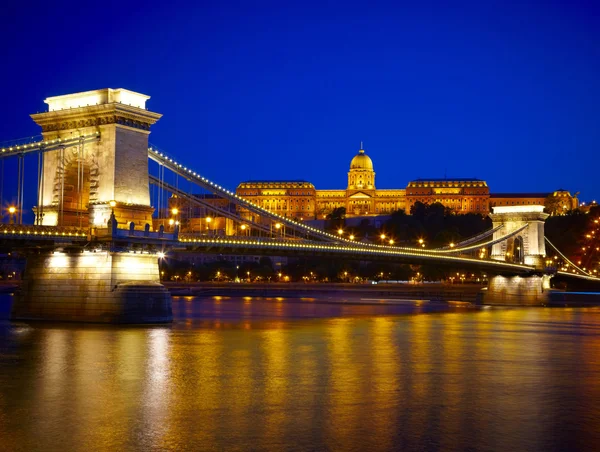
[(81, 180)]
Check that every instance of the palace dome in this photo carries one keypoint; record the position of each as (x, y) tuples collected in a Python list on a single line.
[(361, 161)]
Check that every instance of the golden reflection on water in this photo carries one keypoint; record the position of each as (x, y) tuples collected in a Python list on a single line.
[(275, 393), (491, 379), (157, 385), (385, 386), (344, 390)]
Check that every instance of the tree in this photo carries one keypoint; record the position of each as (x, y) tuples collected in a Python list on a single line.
[(418, 210), (339, 213), (553, 205), (337, 217)]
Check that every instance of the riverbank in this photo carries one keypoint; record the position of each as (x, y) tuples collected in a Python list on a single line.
[(434, 291)]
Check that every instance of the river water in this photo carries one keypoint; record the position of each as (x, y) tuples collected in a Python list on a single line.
[(289, 374)]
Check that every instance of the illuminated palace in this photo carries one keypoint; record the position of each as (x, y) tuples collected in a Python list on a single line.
[(299, 199)]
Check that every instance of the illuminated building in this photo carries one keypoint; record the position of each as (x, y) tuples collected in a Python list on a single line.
[(194, 217), (292, 199), (360, 198), (560, 200), (461, 195), (300, 199)]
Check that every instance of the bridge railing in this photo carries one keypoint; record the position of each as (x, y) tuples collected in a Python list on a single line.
[(115, 233), (22, 230)]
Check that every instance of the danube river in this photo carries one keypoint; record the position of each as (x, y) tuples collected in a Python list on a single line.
[(290, 374)]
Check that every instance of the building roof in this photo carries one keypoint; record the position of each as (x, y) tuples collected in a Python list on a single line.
[(449, 179), (271, 183), (274, 181), (457, 182), (361, 161), (519, 195)]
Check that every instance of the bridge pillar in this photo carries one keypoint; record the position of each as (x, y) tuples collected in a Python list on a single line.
[(526, 247), (102, 286), (527, 290), (80, 181), (100, 178)]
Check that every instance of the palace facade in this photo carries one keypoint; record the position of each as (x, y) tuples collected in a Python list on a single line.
[(301, 200)]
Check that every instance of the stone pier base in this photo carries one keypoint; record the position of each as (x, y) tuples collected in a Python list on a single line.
[(531, 290), (102, 286)]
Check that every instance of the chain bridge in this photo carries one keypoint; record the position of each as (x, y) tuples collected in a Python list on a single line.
[(105, 215)]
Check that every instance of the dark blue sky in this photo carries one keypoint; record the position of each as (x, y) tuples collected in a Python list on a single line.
[(281, 90)]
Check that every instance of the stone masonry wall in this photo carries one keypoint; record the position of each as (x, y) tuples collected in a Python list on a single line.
[(93, 287)]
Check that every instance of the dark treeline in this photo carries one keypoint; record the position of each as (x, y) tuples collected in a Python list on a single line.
[(577, 236), (435, 224), (309, 270)]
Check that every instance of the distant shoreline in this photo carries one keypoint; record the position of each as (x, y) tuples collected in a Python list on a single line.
[(434, 291)]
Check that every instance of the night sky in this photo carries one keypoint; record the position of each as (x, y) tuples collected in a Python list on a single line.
[(282, 90)]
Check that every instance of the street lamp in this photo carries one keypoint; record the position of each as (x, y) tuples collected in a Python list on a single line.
[(340, 231), (112, 205), (11, 214), (351, 237), (243, 228), (174, 212), (391, 241), (208, 220), (278, 227)]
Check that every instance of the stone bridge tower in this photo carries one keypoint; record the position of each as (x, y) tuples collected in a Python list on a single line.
[(80, 181), (105, 170), (528, 246)]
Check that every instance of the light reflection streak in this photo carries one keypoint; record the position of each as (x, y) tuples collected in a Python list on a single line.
[(344, 385), (274, 348), (157, 388), (385, 362)]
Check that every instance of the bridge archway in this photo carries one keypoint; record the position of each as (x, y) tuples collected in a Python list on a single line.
[(517, 250), (74, 186)]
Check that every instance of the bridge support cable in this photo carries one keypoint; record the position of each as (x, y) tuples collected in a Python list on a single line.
[(567, 260), (20, 187), (45, 145), (483, 245), (80, 176), (358, 251), (473, 239), (202, 182), (159, 192), (298, 227), (62, 185), (201, 202), (40, 190), (190, 210)]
